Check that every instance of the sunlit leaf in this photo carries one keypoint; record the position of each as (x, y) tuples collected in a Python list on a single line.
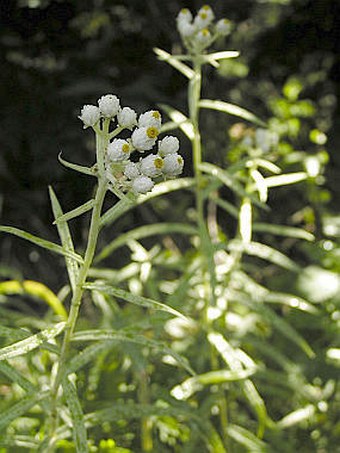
[(283, 230), (288, 178), (231, 109), (75, 212), (175, 63), (78, 425), (260, 183), (32, 342), (41, 242), (246, 438), (295, 417), (145, 231), (245, 220)]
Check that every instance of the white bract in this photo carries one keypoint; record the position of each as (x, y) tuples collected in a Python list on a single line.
[(118, 150), (89, 115), (127, 118), (109, 105), (168, 145)]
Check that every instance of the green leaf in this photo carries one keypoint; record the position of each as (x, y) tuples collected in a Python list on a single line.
[(231, 109), (223, 55), (87, 355), (190, 386), (75, 212), (65, 238), (76, 167), (112, 214), (19, 441), (264, 252), (260, 183), (246, 438), (41, 242), (288, 178), (230, 181), (17, 377), (291, 301), (123, 336), (283, 230), (32, 342), (142, 232), (266, 164), (78, 423), (133, 298), (295, 417), (245, 220), (20, 408), (181, 120), (174, 62)]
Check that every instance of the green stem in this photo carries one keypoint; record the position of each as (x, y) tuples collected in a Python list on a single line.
[(101, 144)]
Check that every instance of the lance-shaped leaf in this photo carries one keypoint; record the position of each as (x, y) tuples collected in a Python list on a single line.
[(246, 438), (260, 183), (77, 416), (123, 336), (231, 109), (79, 168), (76, 212), (295, 417), (145, 231), (14, 375), (214, 57), (34, 341), (283, 180), (283, 230), (181, 120), (174, 62), (66, 239), (41, 242), (134, 298), (88, 354)]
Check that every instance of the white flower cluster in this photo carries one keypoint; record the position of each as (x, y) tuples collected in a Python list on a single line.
[(138, 176), (200, 31)]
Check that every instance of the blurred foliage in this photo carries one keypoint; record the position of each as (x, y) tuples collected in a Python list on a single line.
[(56, 55)]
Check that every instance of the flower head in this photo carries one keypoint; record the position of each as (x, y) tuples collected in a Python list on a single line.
[(127, 118), (150, 118), (131, 170), (173, 165), (223, 27), (144, 138), (142, 184), (108, 105), (89, 115), (168, 145), (118, 150), (151, 165), (204, 17)]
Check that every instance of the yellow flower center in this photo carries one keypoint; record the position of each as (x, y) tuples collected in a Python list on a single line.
[(152, 132), (185, 11), (125, 148), (203, 16), (206, 7), (156, 115), (158, 162), (179, 160), (205, 32)]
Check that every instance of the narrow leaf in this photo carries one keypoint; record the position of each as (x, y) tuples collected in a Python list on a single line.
[(32, 342), (123, 336), (245, 221), (223, 55), (231, 109), (75, 212), (266, 164), (145, 231), (181, 120), (261, 185), (17, 377), (41, 242), (76, 167), (65, 238), (78, 424), (134, 298), (295, 417), (181, 67), (288, 178), (247, 439), (88, 354), (283, 230)]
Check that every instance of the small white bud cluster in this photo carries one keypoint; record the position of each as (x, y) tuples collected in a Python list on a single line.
[(120, 170), (200, 31)]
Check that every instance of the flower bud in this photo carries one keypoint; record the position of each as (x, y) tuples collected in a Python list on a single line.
[(150, 118), (151, 165), (127, 118), (204, 17), (223, 27), (142, 184), (144, 138), (118, 150), (131, 170), (89, 115), (168, 145), (108, 105), (173, 165)]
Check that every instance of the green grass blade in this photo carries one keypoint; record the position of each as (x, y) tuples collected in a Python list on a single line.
[(182, 121), (76, 212), (32, 342), (76, 167), (247, 439), (134, 298), (65, 238), (77, 417), (231, 109), (20, 408), (41, 242), (283, 230), (168, 58), (121, 336), (143, 232)]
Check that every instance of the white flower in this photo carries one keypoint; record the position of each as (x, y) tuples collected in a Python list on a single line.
[(151, 165), (184, 16), (142, 184), (223, 27), (203, 36), (127, 118), (173, 165), (131, 170), (204, 17), (168, 145), (118, 150), (89, 115), (108, 105), (186, 29), (144, 138), (150, 118)]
